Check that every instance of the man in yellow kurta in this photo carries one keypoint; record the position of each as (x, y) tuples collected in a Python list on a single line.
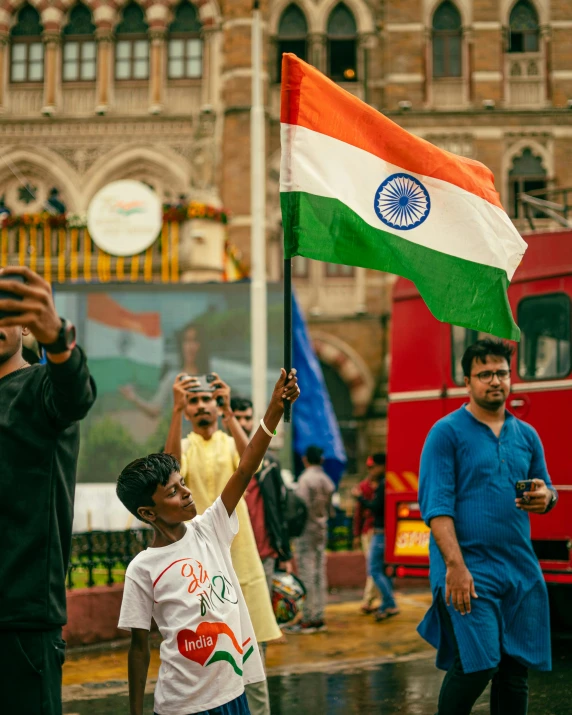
[(208, 458)]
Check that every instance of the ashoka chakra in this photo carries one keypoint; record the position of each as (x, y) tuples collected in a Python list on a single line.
[(402, 202)]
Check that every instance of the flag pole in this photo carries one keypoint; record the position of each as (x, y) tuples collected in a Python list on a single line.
[(258, 300), (287, 328)]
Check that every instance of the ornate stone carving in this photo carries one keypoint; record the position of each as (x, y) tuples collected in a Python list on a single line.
[(81, 157)]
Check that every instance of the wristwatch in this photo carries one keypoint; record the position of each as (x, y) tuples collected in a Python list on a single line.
[(553, 500), (65, 340)]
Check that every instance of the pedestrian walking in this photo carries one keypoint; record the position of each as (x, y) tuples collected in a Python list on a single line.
[(40, 408), (265, 498), (315, 488), (489, 619), (376, 559), (187, 582), (208, 456), (363, 525)]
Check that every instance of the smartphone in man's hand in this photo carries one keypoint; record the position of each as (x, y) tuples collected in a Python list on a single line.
[(204, 383), (522, 486), (5, 295)]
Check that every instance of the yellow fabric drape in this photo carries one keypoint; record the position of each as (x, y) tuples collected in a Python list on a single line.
[(165, 253), (120, 268), (33, 248), (134, 268), (148, 265), (22, 245), (4, 247), (74, 235), (100, 265), (174, 252), (61, 255), (47, 252), (86, 255)]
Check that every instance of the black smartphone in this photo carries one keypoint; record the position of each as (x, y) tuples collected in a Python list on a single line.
[(205, 385), (524, 485), (5, 294)]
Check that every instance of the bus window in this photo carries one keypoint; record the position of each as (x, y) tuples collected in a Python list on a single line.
[(544, 351), (461, 338)]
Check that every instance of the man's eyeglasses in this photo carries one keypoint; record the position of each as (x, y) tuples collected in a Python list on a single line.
[(487, 375)]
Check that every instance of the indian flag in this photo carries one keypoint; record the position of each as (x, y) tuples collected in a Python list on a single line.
[(123, 347), (359, 190)]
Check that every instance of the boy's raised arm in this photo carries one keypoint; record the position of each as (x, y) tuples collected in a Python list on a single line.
[(138, 665), (286, 389)]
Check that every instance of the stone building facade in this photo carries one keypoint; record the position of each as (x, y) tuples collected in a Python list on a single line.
[(159, 90)]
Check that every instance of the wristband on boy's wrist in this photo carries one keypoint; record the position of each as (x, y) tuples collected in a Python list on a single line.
[(265, 428)]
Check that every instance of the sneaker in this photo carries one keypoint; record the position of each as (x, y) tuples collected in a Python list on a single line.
[(319, 626), (299, 629)]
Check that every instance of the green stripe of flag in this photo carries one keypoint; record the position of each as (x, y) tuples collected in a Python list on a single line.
[(457, 291), (111, 373)]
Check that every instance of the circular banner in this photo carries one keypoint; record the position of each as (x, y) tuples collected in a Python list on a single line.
[(124, 218)]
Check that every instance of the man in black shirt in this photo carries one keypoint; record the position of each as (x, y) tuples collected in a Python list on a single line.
[(40, 406), (388, 606)]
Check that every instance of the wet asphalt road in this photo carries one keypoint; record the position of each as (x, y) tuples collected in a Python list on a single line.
[(406, 688)]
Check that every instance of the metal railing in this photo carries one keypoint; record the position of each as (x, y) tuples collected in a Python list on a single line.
[(100, 558), (555, 204)]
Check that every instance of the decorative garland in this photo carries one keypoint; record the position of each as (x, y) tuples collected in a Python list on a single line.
[(171, 214)]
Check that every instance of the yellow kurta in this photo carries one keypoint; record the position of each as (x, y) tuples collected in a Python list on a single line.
[(207, 465)]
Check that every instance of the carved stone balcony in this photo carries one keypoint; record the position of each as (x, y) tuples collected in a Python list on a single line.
[(525, 80)]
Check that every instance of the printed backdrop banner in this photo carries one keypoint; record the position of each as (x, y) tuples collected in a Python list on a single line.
[(138, 339)]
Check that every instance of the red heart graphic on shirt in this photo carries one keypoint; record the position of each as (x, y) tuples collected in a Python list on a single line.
[(198, 645)]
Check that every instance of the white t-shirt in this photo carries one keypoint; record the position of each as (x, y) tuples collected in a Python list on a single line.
[(209, 651)]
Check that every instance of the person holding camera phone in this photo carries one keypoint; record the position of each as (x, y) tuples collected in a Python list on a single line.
[(40, 407), (490, 616), (208, 455)]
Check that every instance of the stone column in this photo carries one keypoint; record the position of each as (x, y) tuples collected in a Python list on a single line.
[(4, 49), (361, 290), (104, 39), (467, 67), (210, 36), (317, 51), (51, 40), (366, 43), (546, 49), (157, 69)]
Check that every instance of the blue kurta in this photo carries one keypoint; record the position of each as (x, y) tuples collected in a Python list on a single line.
[(469, 474)]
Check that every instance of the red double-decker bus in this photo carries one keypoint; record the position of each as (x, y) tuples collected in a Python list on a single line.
[(426, 383)]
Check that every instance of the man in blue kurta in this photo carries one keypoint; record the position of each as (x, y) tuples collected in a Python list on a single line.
[(489, 618)]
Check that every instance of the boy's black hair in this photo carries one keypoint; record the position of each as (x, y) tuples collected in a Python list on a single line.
[(482, 349), (379, 459), (139, 480), (240, 404), (314, 455)]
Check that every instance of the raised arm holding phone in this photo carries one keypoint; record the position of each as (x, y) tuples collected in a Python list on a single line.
[(40, 407)]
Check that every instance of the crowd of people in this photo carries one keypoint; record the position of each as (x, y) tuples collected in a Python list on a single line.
[(219, 510)]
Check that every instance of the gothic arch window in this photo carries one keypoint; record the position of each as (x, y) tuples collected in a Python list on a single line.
[(27, 48), (292, 35), (185, 43), (132, 46), (524, 30), (79, 49), (447, 41), (526, 174), (342, 45)]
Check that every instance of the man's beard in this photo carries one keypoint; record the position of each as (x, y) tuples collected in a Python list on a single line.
[(492, 405)]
